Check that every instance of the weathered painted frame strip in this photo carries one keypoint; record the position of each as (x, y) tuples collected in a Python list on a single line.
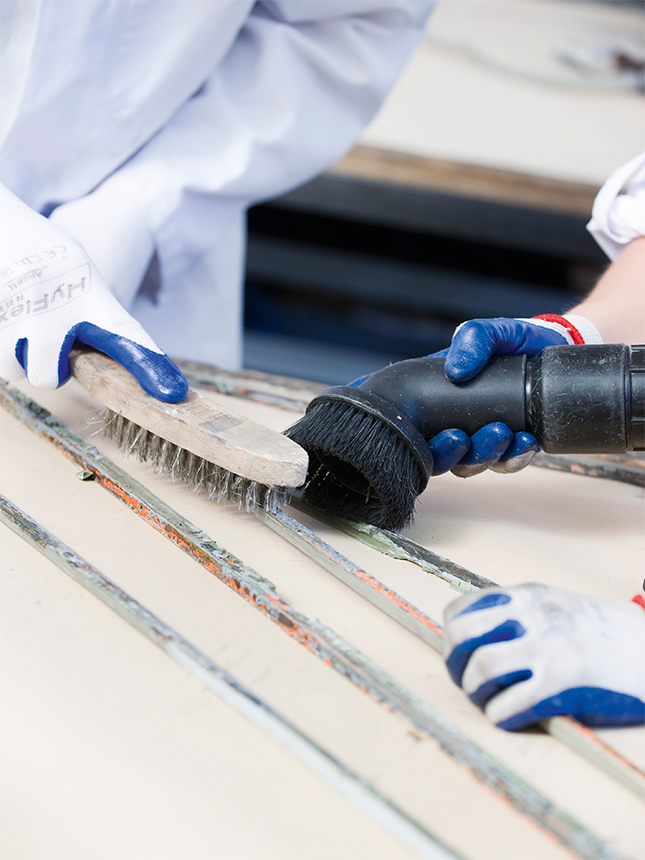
[(283, 391), (351, 574), (629, 468), (320, 640), (399, 547), (355, 789)]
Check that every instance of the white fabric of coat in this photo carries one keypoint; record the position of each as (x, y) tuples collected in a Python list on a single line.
[(149, 126), (618, 215)]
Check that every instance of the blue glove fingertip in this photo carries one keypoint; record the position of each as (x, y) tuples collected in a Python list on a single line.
[(22, 356), (488, 444), (447, 449), (471, 348), (457, 660), (22, 352), (592, 706), (491, 688), (155, 372), (487, 601), (522, 444)]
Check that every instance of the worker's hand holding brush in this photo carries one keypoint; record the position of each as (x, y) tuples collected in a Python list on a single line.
[(530, 652), (495, 446), (52, 294)]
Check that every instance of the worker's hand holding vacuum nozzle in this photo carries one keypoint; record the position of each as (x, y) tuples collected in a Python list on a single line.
[(374, 444), (530, 652), (52, 294), (495, 446)]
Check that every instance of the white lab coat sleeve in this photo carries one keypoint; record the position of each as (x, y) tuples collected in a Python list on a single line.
[(618, 214), (291, 97), (300, 83), (295, 91)]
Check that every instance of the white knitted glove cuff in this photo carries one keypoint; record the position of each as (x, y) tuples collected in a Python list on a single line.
[(573, 328)]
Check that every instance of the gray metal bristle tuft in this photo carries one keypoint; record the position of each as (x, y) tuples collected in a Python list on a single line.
[(183, 466)]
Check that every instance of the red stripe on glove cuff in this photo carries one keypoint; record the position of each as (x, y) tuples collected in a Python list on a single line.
[(554, 318)]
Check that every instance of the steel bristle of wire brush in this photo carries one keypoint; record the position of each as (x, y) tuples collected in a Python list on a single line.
[(183, 466), (363, 451)]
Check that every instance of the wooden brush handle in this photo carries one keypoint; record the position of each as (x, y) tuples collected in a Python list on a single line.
[(205, 428)]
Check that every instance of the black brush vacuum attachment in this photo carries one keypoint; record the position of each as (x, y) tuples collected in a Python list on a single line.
[(367, 445)]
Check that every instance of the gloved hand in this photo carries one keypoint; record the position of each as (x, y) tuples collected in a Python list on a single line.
[(52, 294), (530, 652), (494, 446)]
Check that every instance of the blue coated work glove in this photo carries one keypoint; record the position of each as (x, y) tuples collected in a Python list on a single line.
[(52, 294), (530, 652), (495, 446)]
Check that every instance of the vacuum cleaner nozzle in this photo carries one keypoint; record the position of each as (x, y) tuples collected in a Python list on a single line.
[(367, 445)]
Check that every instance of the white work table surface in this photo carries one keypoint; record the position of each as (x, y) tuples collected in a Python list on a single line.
[(111, 750), (518, 101), (488, 85)]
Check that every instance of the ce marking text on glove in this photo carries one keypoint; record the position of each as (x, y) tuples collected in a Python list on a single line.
[(33, 296)]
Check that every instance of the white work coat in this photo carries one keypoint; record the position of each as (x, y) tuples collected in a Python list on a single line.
[(618, 215), (149, 126)]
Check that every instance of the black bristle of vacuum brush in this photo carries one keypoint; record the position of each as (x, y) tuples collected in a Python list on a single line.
[(373, 458), (182, 466)]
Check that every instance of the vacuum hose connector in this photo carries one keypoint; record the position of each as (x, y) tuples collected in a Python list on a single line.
[(587, 400)]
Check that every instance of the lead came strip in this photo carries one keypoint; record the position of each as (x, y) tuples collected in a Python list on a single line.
[(356, 578), (228, 688)]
